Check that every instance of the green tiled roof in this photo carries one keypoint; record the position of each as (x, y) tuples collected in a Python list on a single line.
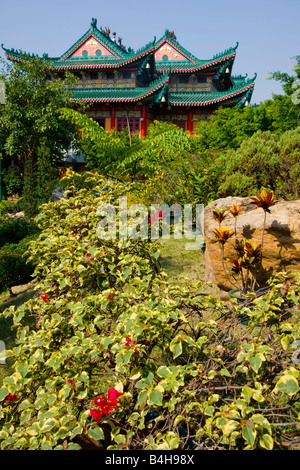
[(169, 37), (200, 65), (119, 94), (241, 87), (83, 63), (193, 64), (103, 63), (239, 80), (208, 97), (183, 66), (105, 39), (121, 57)]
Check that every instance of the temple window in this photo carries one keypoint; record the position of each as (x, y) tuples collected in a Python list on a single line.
[(84, 53), (165, 58), (133, 123), (94, 75), (184, 79), (78, 75)]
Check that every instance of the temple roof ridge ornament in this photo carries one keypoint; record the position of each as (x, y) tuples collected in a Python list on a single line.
[(227, 51), (251, 80), (240, 77), (170, 37), (93, 23)]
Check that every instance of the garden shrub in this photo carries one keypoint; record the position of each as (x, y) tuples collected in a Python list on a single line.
[(253, 166), (14, 268), (12, 180), (288, 182), (14, 229), (264, 161), (120, 355)]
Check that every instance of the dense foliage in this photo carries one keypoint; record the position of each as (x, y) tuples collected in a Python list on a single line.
[(14, 266), (117, 357), (122, 359), (15, 234), (263, 161), (13, 230), (238, 152), (31, 133)]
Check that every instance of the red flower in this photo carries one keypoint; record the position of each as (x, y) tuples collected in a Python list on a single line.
[(105, 406), (62, 176), (130, 343), (44, 297), (109, 297), (100, 401), (97, 414), (11, 397), (113, 394), (72, 382)]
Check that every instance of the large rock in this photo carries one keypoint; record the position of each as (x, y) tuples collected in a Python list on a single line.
[(281, 251)]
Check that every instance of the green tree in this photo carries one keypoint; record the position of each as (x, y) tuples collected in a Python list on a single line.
[(283, 113), (253, 166), (102, 150), (30, 129), (229, 127), (114, 154), (264, 161), (287, 80), (288, 183)]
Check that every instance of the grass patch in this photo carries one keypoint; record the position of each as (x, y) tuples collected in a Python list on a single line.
[(179, 263)]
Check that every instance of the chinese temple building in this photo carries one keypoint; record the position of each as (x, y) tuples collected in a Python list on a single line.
[(161, 81)]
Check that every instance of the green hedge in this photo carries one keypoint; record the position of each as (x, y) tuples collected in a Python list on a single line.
[(13, 230), (14, 269)]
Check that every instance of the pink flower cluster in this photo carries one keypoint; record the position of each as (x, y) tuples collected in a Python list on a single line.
[(105, 406)]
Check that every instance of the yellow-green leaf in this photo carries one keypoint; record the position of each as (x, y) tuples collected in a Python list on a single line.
[(266, 441), (96, 433), (287, 384), (249, 435)]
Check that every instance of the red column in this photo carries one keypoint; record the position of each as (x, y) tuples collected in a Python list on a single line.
[(112, 119), (143, 121), (190, 122)]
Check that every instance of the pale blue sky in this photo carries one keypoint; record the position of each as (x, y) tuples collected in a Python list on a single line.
[(268, 31)]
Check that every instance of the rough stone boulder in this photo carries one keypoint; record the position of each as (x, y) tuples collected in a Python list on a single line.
[(281, 250)]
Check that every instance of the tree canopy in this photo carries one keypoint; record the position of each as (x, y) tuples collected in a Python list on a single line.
[(31, 132)]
